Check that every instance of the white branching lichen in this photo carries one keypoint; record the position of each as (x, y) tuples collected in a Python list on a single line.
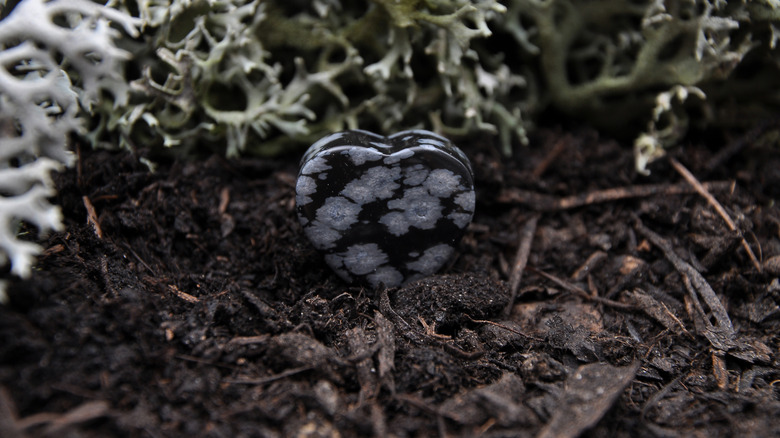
[(44, 45)]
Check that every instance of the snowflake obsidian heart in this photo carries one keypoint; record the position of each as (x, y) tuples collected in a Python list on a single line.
[(385, 210)]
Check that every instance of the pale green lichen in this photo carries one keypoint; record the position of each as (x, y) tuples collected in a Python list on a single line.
[(56, 57), (259, 76), (252, 76), (668, 125)]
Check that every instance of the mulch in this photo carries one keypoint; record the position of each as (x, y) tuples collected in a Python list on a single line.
[(585, 300)]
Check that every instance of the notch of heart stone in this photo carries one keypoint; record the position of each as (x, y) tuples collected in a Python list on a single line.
[(385, 209)]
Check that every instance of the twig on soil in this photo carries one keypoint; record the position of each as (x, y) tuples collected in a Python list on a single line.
[(387, 310), (589, 265), (504, 327), (581, 292), (266, 311), (106, 277), (207, 362), (553, 154), (269, 379), (461, 354), (542, 202), (224, 200), (430, 330), (658, 311), (682, 170), (140, 260), (720, 336), (58, 421), (92, 218), (657, 397), (378, 420), (521, 259), (719, 370), (183, 295), (248, 340), (386, 356), (367, 379)]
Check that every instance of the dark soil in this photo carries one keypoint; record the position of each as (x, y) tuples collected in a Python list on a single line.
[(190, 304)]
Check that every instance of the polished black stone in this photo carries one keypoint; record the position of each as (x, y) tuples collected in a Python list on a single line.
[(385, 210)]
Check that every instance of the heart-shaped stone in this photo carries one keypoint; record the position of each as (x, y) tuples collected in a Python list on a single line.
[(385, 210)]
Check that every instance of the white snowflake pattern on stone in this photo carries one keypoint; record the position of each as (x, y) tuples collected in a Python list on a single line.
[(375, 183), (315, 165), (398, 156), (364, 259), (321, 235), (303, 188), (460, 219), (442, 183), (338, 213), (388, 276), (360, 155), (336, 262), (396, 223), (466, 200), (415, 175), (420, 210), (432, 259)]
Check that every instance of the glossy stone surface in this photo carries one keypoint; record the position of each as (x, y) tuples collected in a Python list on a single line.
[(385, 210)]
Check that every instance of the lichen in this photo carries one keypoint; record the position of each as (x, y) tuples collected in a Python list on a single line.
[(257, 77), (250, 76), (56, 57), (667, 127), (605, 61), (590, 51)]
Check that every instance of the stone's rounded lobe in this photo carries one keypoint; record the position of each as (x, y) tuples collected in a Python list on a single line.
[(385, 210)]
